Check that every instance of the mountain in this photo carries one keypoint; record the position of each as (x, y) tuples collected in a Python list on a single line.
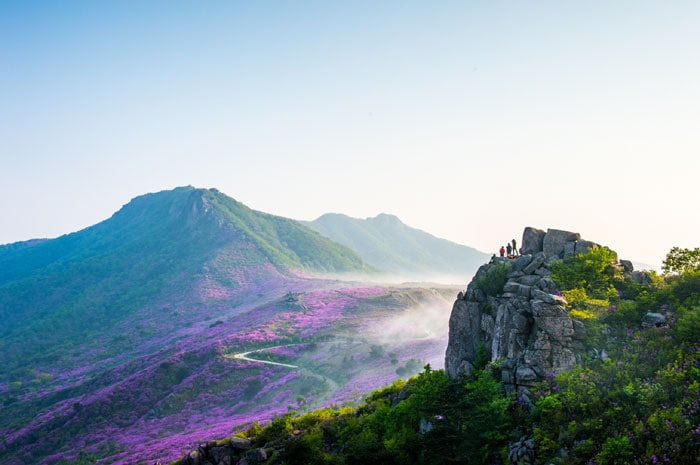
[(185, 248), (391, 246), (184, 315)]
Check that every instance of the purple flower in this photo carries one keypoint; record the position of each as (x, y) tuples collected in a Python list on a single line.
[(654, 459)]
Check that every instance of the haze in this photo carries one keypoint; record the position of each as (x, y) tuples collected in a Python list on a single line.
[(469, 120)]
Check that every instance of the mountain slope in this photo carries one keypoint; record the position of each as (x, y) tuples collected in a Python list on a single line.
[(162, 254), (389, 245)]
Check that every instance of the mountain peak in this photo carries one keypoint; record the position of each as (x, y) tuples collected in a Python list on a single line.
[(386, 218)]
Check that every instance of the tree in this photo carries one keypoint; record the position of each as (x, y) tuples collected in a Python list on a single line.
[(681, 261)]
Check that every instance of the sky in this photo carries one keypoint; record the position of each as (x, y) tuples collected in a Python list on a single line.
[(468, 120)]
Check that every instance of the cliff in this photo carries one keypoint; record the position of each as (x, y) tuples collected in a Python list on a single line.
[(512, 311)]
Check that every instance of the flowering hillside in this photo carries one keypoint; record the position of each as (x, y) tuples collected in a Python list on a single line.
[(121, 340)]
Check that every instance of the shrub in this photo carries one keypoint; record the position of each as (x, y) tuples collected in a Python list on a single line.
[(492, 281), (594, 272), (616, 451)]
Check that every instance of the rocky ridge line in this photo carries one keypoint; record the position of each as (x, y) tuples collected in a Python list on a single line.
[(524, 324)]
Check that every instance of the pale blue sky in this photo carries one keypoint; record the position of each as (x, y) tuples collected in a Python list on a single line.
[(469, 120)]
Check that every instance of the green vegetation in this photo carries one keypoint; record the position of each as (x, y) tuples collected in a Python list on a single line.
[(286, 242), (638, 405), (440, 421), (681, 260), (492, 281)]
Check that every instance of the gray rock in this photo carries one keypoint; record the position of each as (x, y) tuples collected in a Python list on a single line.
[(555, 240), (524, 291), (240, 443), (547, 298), (255, 455), (569, 249), (536, 262), (521, 262), (525, 376), (627, 265), (584, 246), (465, 326), (547, 284), (512, 287), (220, 454), (642, 277), (529, 279), (542, 272), (507, 377), (653, 319), (550, 261), (532, 240), (521, 324), (579, 330)]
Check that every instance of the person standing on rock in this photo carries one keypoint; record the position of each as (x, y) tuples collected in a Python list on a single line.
[(509, 249), (502, 251), (515, 248)]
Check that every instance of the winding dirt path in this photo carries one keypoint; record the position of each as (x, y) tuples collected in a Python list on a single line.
[(245, 356), (332, 384)]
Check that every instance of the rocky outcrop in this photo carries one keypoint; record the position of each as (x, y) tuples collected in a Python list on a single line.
[(513, 312), (232, 451)]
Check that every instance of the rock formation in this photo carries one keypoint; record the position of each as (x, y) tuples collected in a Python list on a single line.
[(513, 312)]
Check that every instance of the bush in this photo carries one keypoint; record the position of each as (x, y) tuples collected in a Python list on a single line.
[(492, 281), (616, 451), (594, 272)]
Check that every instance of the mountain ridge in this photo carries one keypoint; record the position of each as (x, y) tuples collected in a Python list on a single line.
[(388, 244)]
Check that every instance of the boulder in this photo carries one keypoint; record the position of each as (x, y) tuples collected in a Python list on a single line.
[(221, 455), (555, 241), (547, 298), (584, 246), (536, 262), (465, 326), (240, 443), (525, 375), (627, 266), (653, 319), (532, 240), (547, 285), (521, 262), (255, 455)]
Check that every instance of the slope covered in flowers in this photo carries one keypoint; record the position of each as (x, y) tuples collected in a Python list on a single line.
[(633, 398)]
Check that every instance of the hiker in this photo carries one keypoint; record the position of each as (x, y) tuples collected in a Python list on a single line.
[(502, 251), (509, 249), (515, 249)]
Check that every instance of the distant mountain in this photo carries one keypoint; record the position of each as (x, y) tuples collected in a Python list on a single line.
[(391, 246), (161, 252)]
